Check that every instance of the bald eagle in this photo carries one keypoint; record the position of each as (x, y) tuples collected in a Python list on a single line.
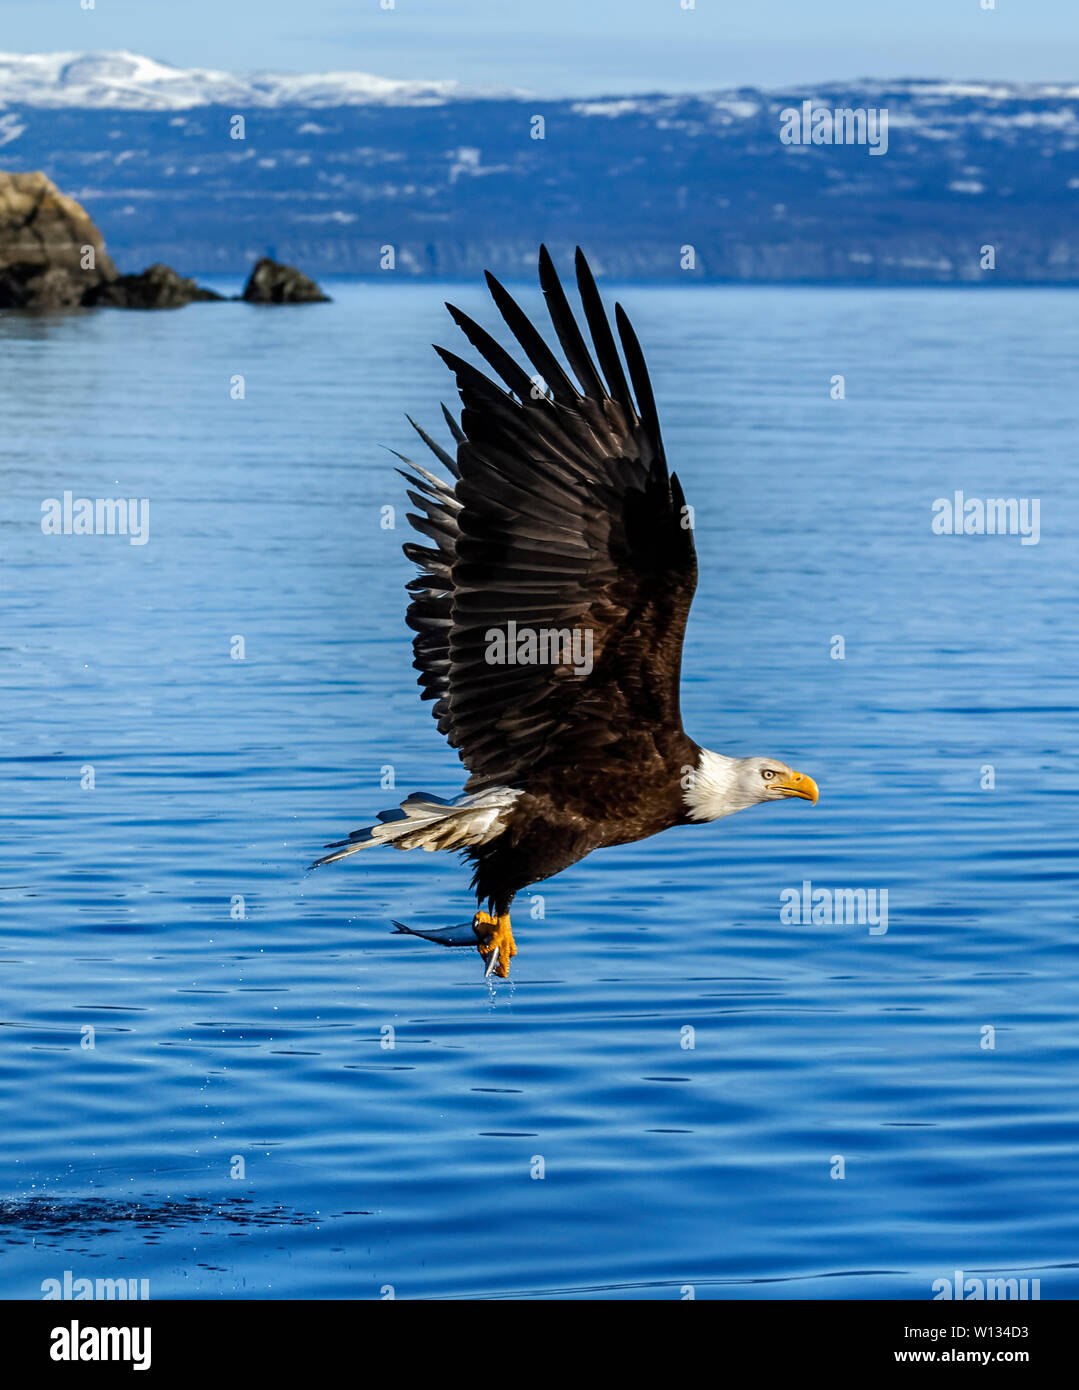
[(557, 571)]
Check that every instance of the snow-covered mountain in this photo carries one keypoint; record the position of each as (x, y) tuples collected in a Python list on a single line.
[(125, 81), (977, 183)]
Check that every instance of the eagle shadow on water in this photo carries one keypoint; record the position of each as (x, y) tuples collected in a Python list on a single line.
[(557, 572)]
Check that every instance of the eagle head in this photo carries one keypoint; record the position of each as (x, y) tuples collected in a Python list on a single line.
[(719, 785)]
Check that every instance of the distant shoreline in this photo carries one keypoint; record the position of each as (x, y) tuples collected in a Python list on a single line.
[(216, 279), (978, 184)]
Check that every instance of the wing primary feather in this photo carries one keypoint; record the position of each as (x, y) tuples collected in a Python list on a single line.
[(567, 329), (443, 457), (602, 337), (455, 429), (471, 378), (435, 487), (642, 385), (514, 375), (539, 354)]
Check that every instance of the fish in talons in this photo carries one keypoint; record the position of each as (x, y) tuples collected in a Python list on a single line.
[(495, 939)]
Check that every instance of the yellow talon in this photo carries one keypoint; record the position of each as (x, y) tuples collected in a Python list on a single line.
[(500, 939)]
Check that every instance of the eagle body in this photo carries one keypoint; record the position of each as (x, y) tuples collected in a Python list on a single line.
[(557, 568), (635, 792)]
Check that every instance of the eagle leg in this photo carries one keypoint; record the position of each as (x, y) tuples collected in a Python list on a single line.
[(496, 945)]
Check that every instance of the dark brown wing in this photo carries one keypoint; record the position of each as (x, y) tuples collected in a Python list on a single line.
[(559, 514)]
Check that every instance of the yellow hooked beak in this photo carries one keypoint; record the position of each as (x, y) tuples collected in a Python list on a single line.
[(798, 784)]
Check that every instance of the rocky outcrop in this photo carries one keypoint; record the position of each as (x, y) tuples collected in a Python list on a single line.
[(51, 254), (270, 282), (158, 287), (53, 257)]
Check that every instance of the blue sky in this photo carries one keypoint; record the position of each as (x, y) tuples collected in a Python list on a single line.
[(557, 47)]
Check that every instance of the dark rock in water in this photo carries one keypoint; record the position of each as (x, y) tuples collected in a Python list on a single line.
[(24, 286), (51, 254), (270, 282), (158, 287)]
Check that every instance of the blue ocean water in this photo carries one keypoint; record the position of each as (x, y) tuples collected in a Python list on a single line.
[(677, 1090)]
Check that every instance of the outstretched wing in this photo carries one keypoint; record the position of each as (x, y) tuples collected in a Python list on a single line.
[(559, 518)]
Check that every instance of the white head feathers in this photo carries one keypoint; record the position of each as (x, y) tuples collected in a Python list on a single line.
[(719, 785)]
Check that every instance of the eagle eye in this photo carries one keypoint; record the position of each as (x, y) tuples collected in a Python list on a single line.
[(767, 774)]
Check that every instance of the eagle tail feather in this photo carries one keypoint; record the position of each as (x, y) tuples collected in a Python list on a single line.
[(426, 821)]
